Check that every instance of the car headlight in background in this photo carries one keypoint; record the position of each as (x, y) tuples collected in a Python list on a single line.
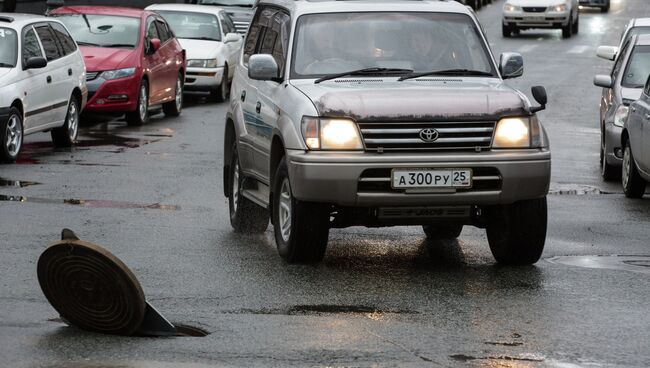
[(331, 134), (202, 63), (510, 8), (558, 8), (119, 73), (522, 132), (621, 115)]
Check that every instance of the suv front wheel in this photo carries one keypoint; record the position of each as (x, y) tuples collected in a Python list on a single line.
[(301, 228)]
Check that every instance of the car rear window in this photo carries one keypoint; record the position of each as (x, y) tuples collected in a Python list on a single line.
[(8, 48), (102, 30)]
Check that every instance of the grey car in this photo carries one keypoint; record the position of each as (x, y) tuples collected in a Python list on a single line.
[(620, 88), (347, 113), (636, 140)]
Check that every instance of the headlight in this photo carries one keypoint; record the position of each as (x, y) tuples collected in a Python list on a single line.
[(621, 115), (524, 132), (511, 8), (558, 8), (331, 134), (202, 63), (119, 73)]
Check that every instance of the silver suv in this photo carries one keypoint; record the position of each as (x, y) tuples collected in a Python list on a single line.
[(350, 113)]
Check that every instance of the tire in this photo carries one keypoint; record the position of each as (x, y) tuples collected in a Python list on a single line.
[(506, 31), (633, 184), (605, 8), (442, 231), (223, 90), (517, 232), (301, 229), (245, 216), (607, 171), (66, 135), (141, 114), (11, 136), (576, 26), (174, 108), (566, 30)]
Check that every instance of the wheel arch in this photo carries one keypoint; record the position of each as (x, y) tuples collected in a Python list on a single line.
[(625, 136), (18, 104), (277, 153)]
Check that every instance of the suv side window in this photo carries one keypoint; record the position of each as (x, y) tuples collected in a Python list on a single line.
[(48, 40), (647, 87), (31, 47), (252, 37), (67, 43), (276, 38)]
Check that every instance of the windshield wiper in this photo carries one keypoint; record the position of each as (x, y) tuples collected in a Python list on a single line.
[(81, 43), (5, 65), (448, 72), (201, 38), (117, 45), (363, 71), (239, 5)]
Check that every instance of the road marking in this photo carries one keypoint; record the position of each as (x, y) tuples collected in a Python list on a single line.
[(528, 48), (578, 49)]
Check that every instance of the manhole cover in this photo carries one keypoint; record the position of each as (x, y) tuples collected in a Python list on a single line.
[(640, 264), (91, 288)]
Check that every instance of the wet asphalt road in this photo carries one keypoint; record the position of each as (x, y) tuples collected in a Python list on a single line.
[(153, 196)]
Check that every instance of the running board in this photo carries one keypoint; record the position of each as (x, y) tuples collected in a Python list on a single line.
[(259, 195)]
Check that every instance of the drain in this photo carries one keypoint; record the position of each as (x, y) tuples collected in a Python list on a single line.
[(190, 331), (631, 263)]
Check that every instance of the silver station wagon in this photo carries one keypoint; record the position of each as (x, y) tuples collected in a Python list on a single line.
[(355, 113)]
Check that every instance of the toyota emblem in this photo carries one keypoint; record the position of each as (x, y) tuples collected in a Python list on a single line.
[(429, 135)]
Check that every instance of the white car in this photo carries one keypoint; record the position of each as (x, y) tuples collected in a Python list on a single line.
[(42, 82), (212, 44), (555, 14)]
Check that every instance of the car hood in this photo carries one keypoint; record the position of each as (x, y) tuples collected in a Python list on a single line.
[(632, 94), (535, 3), (105, 58), (440, 99), (200, 49)]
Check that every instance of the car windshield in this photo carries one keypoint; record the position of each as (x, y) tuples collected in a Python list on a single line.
[(638, 68), (8, 48), (199, 26), (422, 42), (102, 30), (242, 3)]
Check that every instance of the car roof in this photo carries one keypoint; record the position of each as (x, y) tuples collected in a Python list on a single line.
[(641, 22), (101, 10), (18, 20), (208, 9), (299, 7)]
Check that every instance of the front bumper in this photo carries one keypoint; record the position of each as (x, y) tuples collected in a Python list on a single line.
[(103, 94), (203, 79), (613, 149), (352, 178), (546, 19)]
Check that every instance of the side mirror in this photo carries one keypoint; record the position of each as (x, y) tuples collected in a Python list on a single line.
[(232, 37), (511, 65), (35, 63), (607, 52), (154, 45), (603, 80), (263, 67), (539, 94)]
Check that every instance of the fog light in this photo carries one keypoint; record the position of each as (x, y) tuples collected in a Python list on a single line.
[(100, 101), (118, 97)]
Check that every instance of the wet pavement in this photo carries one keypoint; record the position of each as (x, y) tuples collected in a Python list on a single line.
[(382, 297)]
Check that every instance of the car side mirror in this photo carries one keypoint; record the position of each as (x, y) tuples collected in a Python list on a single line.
[(607, 52), (539, 94), (511, 65), (232, 37), (154, 45), (263, 67), (35, 63), (603, 80)]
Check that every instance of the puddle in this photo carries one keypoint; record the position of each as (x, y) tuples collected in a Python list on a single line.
[(90, 203), (504, 343), (16, 183), (320, 309), (577, 189), (639, 264), (469, 358)]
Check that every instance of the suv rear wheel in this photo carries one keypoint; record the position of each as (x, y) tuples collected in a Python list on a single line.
[(568, 29), (245, 216), (633, 183), (517, 232), (301, 228), (66, 135)]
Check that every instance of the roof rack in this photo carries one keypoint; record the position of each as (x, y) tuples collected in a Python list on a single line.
[(6, 19)]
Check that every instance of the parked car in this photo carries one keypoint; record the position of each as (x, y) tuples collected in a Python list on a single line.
[(602, 4), (636, 137), (211, 43), (475, 4), (620, 88), (241, 11), (42, 82), (525, 14), (635, 26), (133, 60), (386, 113)]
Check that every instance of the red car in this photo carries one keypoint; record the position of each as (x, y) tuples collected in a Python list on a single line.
[(133, 60)]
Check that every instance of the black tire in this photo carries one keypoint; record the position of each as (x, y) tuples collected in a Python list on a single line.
[(605, 8), (66, 135), (517, 232), (607, 171), (442, 231), (223, 90), (633, 184), (11, 129), (308, 230), (568, 29), (576, 26), (506, 31), (140, 117), (174, 108), (245, 216)]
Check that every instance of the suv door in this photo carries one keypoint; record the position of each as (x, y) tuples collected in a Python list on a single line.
[(153, 62), (34, 86), (57, 76)]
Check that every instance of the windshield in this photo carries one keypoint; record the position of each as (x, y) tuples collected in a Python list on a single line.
[(242, 3), (638, 68), (199, 26), (422, 42), (102, 30), (8, 48)]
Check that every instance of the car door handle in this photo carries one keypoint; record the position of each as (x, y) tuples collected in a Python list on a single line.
[(243, 96), (258, 107), (49, 79), (70, 71), (633, 109)]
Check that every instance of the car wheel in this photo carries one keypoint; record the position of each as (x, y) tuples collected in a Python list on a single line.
[(633, 184), (245, 216), (506, 31), (301, 229), (174, 108), (141, 114), (223, 90), (66, 135), (605, 8), (607, 171), (566, 30), (442, 231), (11, 136), (576, 26), (517, 232)]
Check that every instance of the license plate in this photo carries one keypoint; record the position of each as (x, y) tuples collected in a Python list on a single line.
[(535, 19), (431, 178)]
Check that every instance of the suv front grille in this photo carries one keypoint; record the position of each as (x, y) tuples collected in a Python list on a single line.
[(468, 136), (536, 9)]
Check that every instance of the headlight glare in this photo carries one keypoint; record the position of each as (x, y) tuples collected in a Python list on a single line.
[(511, 8), (331, 134), (512, 133), (558, 8), (119, 73), (202, 63), (621, 115)]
